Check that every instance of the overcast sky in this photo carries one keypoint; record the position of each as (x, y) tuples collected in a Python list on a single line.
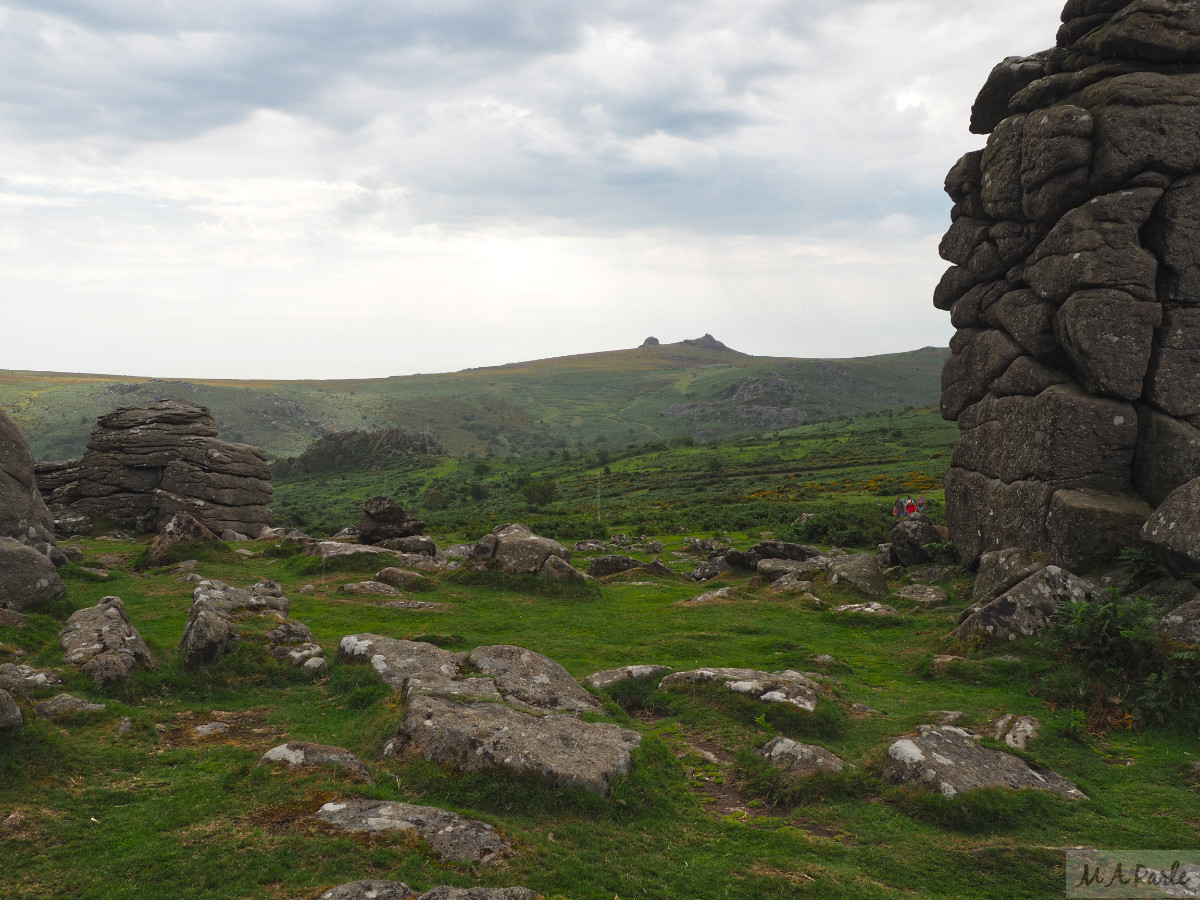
[(317, 189)]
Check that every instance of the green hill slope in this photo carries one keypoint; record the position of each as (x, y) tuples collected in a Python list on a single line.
[(624, 396)]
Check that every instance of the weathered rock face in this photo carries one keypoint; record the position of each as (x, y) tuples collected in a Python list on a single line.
[(1026, 608), (948, 760), (23, 513), (102, 642), (27, 578), (603, 566), (385, 519), (182, 529), (145, 464), (10, 714), (800, 759), (911, 538), (1075, 288), (769, 687), (516, 550), (519, 717), (450, 836)]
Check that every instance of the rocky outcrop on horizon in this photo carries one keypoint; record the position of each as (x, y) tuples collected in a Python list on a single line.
[(1075, 288), (144, 465)]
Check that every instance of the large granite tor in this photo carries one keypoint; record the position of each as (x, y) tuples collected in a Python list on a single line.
[(1075, 289)]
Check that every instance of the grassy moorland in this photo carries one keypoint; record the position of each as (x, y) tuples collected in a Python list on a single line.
[(758, 482), (619, 397), (159, 812)]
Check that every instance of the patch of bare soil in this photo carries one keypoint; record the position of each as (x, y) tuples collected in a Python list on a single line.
[(247, 729)]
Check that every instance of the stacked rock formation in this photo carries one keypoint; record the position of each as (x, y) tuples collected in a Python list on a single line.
[(145, 464), (1075, 289)]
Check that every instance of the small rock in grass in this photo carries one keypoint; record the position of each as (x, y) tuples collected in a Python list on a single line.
[(824, 659), (450, 836), (212, 728), (800, 759), (925, 594), (371, 890), (20, 681), (478, 893), (65, 705), (10, 618), (603, 680), (944, 660), (10, 714), (308, 589), (769, 687), (415, 605), (868, 609), (305, 755), (244, 553), (369, 587), (791, 583), (1016, 731), (722, 595), (404, 579)]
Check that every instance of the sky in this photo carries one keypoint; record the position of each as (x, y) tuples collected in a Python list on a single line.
[(317, 189)]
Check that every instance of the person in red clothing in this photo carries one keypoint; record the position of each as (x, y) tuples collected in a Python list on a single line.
[(910, 506)]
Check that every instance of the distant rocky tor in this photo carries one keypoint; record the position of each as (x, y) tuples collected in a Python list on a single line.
[(1075, 289), (145, 464)]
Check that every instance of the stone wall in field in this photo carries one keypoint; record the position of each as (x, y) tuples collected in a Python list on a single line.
[(1075, 287)]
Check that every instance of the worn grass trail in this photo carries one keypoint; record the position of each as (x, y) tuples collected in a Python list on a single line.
[(158, 812)]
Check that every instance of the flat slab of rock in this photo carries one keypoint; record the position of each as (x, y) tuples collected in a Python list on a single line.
[(1002, 570), (182, 529), (800, 759), (415, 605), (102, 642), (769, 687), (720, 595), (409, 666), (404, 579), (450, 836), (65, 705), (371, 889), (707, 571), (10, 714), (861, 571), (1027, 608), (603, 566), (790, 584), (868, 609), (369, 587), (603, 680), (479, 893), (925, 594), (560, 750), (948, 760), (21, 681), (307, 755), (327, 551), (784, 550), (774, 569), (11, 619), (533, 680)]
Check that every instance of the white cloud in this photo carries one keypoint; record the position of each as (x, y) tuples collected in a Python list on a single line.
[(320, 189)]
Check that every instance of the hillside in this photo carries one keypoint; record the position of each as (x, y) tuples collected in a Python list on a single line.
[(692, 388)]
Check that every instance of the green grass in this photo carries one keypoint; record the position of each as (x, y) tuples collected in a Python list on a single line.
[(157, 813)]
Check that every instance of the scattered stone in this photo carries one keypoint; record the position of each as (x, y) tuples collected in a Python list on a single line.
[(95, 573), (371, 890), (861, 571), (532, 681), (941, 661), (369, 587), (932, 574), (924, 594), (1182, 625), (699, 546), (707, 571), (65, 705), (233, 537), (911, 538), (1027, 608), (602, 681), (217, 608), (306, 755), (11, 619), (20, 681), (450, 836), (384, 519), (800, 759), (458, 551), (124, 726), (212, 729), (416, 544), (11, 718), (308, 589), (245, 554), (182, 529), (948, 716), (27, 577), (886, 556), (102, 642), (349, 535), (769, 687), (947, 759), (790, 584), (774, 569), (515, 550), (824, 659), (1016, 731), (415, 605), (327, 551), (603, 566), (868, 609), (1002, 570), (784, 550), (721, 595), (590, 546), (479, 893), (446, 722), (557, 567), (403, 579)]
